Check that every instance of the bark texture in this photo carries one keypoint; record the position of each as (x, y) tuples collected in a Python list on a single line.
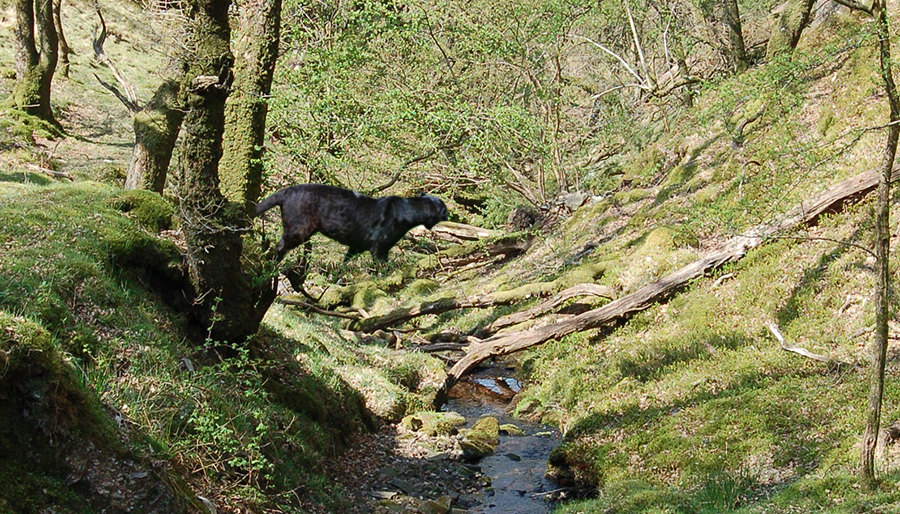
[(732, 17), (156, 128), (788, 27), (882, 252), (256, 48), (229, 303), (64, 49), (36, 58)]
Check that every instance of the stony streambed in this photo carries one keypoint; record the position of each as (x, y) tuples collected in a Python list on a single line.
[(473, 458)]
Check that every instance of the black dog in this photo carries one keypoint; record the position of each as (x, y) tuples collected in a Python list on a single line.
[(356, 220)]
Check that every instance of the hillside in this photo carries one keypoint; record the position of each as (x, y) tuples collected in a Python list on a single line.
[(691, 405)]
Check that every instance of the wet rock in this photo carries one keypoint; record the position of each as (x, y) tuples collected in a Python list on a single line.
[(433, 423), (510, 429), (480, 440)]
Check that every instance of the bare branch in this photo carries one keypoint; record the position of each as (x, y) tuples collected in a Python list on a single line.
[(773, 328), (858, 6), (641, 83), (129, 99), (637, 44)]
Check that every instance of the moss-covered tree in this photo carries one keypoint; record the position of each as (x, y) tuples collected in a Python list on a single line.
[(156, 128), (256, 49), (788, 27), (732, 15), (229, 302), (37, 53)]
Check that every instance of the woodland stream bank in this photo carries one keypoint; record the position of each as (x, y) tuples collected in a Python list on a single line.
[(399, 470)]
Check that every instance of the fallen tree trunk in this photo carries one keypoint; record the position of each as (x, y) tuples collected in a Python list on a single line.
[(545, 307), (455, 232), (441, 306), (402, 315), (831, 200)]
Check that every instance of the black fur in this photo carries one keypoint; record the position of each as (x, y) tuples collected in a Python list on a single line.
[(356, 220)]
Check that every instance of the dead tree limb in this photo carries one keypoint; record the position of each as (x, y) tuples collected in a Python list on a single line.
[(49, 172), (773, 328), (546, 306), (317, 310), (831, 200), (129, 98), (455, 232), (398, 316), (509, 246)]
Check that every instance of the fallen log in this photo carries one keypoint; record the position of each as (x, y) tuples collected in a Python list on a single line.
[(544, 307), (440, 306), (830, 200), (398, 316), (455, 232)]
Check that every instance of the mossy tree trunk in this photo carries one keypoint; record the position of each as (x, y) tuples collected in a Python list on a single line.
[(36, 58), (156, 129), (732, 16), (256, 51), (64, 49), (788, 27), (882, 251), (229, 303)]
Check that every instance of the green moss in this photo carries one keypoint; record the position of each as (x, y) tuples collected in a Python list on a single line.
[(480, 440), (631, 196), (149, 209), (644, 166)]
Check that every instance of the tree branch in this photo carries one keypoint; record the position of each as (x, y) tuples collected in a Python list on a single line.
[(129, 99)]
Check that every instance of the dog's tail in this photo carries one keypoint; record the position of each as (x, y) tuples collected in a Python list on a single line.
[(271, 201)]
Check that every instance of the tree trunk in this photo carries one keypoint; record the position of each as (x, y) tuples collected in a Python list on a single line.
[(788, 27), (739, 58), (35, 63), (64, 49), (245, 113), (882, 250), (156, 129), (227, 305)]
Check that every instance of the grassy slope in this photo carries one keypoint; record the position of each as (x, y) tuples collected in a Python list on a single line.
[(689, 407), (692, 406), (249, 431)]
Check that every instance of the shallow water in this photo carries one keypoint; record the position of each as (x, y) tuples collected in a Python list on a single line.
[(518, 466)]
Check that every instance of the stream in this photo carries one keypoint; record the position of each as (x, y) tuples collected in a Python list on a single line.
[(518, 466)]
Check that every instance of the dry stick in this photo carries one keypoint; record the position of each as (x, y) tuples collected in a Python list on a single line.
[(773, 328), (129, 98), (831, 199), (49, 172)]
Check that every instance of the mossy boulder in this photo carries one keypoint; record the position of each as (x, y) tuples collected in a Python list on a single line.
[(434, 423), (480, 440)]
